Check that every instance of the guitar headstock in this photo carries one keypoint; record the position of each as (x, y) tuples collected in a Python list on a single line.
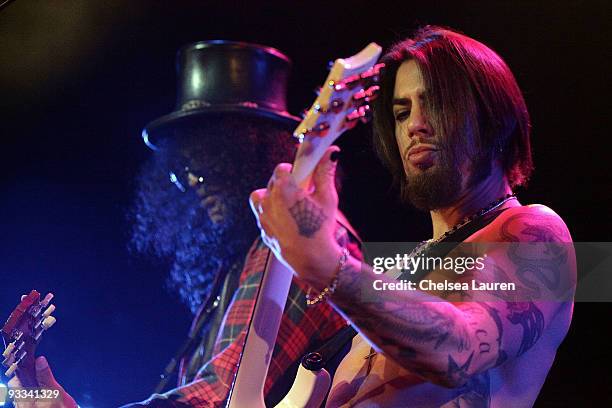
[(343, 101), (21, 334)]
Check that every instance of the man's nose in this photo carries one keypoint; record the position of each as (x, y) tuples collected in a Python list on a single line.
[(418, 124)]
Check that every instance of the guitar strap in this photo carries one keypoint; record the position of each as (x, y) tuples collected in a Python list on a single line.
[(328, 355)]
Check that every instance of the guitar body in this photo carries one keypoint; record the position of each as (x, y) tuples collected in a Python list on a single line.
[(308, 390)]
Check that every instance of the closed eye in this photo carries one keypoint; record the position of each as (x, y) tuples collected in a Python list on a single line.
[(402, 115)]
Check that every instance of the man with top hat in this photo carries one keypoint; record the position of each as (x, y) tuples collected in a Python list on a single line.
[(230, 128), (452, 125)]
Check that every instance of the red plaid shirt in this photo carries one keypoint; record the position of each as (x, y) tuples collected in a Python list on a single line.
[(302, 329)]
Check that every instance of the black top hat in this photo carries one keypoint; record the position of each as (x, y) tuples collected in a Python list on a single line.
[(227, 76)]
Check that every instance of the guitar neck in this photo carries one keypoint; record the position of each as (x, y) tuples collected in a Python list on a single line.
[(247, 390), (340, 104)]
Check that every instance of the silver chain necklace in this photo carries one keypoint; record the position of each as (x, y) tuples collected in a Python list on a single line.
[(425, 245)]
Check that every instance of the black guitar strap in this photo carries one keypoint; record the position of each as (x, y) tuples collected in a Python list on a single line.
[(328, 356)]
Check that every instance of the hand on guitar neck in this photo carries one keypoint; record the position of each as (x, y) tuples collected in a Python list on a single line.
[(296, 221), (297, 213), (46, 381)]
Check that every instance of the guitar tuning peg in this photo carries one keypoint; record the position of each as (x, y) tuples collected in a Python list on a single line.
[(48, 322), (366, 96), (11, 370), (367, 114), (49, 310), (351, 81), (8, 349), (12, 358), (373, 92), (362, 113), (373, 73), (46, 300), (8, 360), (360, 95)]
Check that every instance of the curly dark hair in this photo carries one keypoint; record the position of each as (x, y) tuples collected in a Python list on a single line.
[(233, 155), (473, 101)]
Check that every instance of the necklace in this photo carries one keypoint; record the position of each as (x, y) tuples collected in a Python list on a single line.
[(425, 245)]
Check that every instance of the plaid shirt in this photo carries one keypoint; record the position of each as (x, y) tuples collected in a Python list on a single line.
[(302, 330)]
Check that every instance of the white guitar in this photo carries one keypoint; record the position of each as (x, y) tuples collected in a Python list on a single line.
[(342, 102)]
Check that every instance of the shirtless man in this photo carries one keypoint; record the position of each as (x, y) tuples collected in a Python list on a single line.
[(452, 126)]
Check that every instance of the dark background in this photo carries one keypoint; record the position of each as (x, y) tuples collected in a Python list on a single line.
[(79, 79)]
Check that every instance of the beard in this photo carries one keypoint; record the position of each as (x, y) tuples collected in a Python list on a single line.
[(203, 234), (438, 186), (173, 225)]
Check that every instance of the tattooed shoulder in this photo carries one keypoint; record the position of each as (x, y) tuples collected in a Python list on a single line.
[(536, 223)]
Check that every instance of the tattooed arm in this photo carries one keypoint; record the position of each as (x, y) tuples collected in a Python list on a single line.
[(448, 341), (445, 338)]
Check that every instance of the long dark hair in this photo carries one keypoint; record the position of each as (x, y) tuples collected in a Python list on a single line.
[(472, 99), (237, 155)]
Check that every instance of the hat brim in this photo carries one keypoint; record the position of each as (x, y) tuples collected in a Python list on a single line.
[(155, 129)]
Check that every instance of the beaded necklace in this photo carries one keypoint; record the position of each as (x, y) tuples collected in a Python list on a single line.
[(425, 245)]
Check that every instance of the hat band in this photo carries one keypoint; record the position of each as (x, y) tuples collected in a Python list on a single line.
[(199, 104)]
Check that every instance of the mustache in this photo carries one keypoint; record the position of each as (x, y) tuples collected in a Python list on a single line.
[(442, 145), (438, 145)]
